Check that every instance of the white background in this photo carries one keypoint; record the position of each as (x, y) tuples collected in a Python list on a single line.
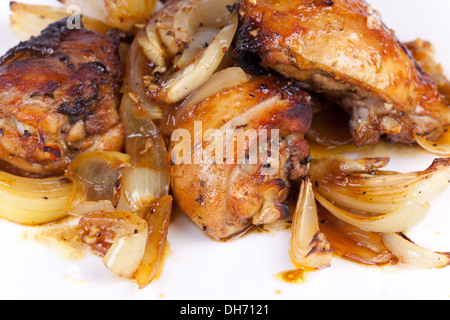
[(200, 268)]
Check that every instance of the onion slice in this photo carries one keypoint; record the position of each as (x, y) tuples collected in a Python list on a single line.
[(137, 71), (410, 253), (148, 179), (30, 201), (220, 81), (122, 235), (158, 220), (360, 186), (407, 216), (123, 14), (94, 176), (309, 246), (200, 69), (439, 147)]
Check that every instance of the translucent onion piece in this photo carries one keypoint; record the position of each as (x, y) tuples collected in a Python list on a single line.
[(136, 72), (33, 201), (439, 147), (220, 81), (195, 13), (158, 220), (148, 179), (141, 186), (29, 20), (153, 49), (94, 176), (187, 80), (359, 185), (412, 254), (199, 41), (120, 14), (408, 215), (123, 235), (92, 8), (87, 207), (309, 247)]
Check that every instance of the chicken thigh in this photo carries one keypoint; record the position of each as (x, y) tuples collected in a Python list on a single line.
[(225, 193), (342, 49), (59, 96)]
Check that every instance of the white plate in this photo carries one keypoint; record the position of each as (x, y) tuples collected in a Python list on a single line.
[(199, 268)]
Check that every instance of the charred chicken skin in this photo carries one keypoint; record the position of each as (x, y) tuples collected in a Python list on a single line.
[(59, 94), (225, 199), (342, 49)]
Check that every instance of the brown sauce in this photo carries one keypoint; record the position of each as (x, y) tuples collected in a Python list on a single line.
[(293, 276), (329, 133), (60, 237)]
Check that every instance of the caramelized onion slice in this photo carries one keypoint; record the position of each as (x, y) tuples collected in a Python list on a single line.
[(408, 215), (410, 253), (200, 69), (309, 246), (439, 147), (121, 235), (137, 71), (361, 186), (158, 220), (195, 13), (29, 20), (95, 176), (220, 81), (148, 179), (120, 14)]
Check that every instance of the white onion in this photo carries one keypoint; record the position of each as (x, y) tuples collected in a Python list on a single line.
[(148, 179), (141, 186), (87, 207), (412, 254), (194, 13), (94, 176), (309, 247), (351, 184), (439, 147), (199, 41), (219, 82), (408, 215), (153, 48), (33, 201), (125, 255), (187, 80)]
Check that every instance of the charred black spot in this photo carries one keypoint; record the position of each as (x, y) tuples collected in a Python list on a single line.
[(65, 59), (233, 7), (43, 45), (246, 52), (54, 151), (326, 3)]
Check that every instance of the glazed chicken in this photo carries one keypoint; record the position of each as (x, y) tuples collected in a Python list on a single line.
[(59, 96), (223, 197), (342, 49)]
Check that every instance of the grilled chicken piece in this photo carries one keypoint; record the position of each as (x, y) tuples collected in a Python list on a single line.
[(423, 52), (224, 197), (59, 96), (341, 48)]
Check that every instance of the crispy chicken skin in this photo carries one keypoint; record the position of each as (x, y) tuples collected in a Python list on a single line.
[(59, 95), (226, 199), (341, 48)]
